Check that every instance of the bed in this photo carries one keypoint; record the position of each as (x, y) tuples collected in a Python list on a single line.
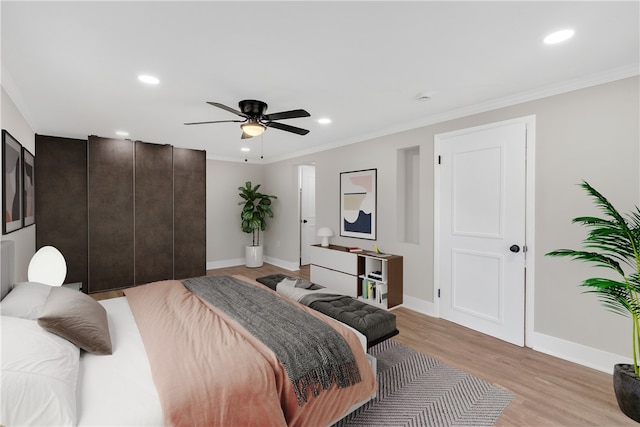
[(154, 375)]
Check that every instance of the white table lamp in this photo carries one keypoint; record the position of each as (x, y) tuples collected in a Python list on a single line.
[(325, 233)]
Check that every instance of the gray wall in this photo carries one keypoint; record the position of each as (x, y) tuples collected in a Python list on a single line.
[(25, 238), (590, 134), (225, 240)]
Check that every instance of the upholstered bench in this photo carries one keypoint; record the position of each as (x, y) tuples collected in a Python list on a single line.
[(374, 323)]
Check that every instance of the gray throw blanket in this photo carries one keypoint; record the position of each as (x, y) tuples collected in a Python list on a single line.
[(312, 353)]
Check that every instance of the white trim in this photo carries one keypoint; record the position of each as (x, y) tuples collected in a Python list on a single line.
[(287, 265), (530, 124), (530, 231), (417, 304), (507, 101), (577, 353), (557, 347), (213, 265)]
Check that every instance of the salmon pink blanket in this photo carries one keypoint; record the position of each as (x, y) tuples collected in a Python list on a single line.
[(208, 370)]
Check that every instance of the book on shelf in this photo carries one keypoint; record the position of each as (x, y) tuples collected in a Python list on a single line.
[(355, 249)]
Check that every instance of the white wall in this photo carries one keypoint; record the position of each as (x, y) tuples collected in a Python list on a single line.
[(590, 134), (25, 238)]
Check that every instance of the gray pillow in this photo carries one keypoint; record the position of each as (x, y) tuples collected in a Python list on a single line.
[(78, 318)]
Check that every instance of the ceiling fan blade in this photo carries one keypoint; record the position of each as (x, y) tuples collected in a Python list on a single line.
[(287, 128), (229, 109), (216, 121), (245, 135), (293, 114)]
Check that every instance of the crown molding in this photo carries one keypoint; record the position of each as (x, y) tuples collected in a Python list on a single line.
[(508, 101)]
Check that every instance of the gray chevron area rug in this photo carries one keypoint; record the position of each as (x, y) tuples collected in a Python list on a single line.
[(417, 390)]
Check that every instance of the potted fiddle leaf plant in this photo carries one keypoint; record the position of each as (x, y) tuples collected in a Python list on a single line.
[(256, 208), (613, 242)]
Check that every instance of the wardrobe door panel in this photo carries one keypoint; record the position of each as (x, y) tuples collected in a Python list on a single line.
[(61, 201), (153, 212), (111, 239), (189, 174)]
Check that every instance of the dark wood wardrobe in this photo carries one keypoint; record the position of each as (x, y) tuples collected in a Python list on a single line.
[(139, 210)]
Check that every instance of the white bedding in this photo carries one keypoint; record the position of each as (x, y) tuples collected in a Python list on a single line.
[(118, 390)]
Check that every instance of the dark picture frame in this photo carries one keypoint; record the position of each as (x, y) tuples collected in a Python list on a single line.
[(28, 188), (11, 183), (359, 204)]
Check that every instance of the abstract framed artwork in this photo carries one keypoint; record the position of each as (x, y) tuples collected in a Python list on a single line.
[(358, 204), (28, 189), (11, 183)]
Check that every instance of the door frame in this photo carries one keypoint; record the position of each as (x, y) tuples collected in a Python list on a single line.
[(529, 246)]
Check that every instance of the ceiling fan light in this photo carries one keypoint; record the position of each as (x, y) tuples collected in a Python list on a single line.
[(252, 128)]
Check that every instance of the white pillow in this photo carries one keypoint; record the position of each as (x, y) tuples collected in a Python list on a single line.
[(25, 300), (39, 375)]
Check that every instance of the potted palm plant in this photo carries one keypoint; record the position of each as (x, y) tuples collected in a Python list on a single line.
[(256, 207), (613, 242)]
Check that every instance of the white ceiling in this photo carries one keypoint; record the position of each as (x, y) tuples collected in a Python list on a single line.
[(72, 67)]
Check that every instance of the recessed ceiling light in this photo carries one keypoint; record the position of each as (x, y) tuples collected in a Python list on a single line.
[(245, 149), (122, 133), (559, 36), (145, 78), (324, 120)]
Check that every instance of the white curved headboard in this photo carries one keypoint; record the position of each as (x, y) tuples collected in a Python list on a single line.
[(7, 263)]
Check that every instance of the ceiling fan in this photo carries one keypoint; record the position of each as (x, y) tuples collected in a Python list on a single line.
[(256, 121)]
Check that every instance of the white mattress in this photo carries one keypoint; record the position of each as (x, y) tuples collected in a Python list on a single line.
[(118, 390)]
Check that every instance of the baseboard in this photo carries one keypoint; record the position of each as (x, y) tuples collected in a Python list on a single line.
[(291, 266), (287, 265), (212, 265), (577, 353), (547, 344), (417, 304)]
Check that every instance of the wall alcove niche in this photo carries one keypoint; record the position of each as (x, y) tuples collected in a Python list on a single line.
[(123, 213)]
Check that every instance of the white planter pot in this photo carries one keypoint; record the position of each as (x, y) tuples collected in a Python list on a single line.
[(253, 256)]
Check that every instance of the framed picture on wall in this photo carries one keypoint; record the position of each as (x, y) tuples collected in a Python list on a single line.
[(11, 183), (358, 204), (28, 189)]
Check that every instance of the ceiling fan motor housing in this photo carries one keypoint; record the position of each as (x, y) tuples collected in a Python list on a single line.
[(253, 108)]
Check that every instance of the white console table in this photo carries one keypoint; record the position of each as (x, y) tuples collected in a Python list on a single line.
[(349, 272)]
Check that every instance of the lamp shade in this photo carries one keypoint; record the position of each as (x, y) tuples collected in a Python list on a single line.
[(325, 233), (252, 128)]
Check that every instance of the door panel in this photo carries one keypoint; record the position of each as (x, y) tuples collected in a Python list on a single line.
[(190, 212), (61, 202), (481, 214), (470, 269), (111, 261), (307, 211), (153, 212)]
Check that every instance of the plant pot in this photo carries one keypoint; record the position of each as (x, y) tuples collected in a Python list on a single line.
[(626, 385), (253, 256)]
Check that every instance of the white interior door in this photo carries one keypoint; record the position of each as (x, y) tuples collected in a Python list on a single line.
[(480, 228), (307, 211)]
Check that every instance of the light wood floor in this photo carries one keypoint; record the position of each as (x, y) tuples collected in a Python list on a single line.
[(548, 391)]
